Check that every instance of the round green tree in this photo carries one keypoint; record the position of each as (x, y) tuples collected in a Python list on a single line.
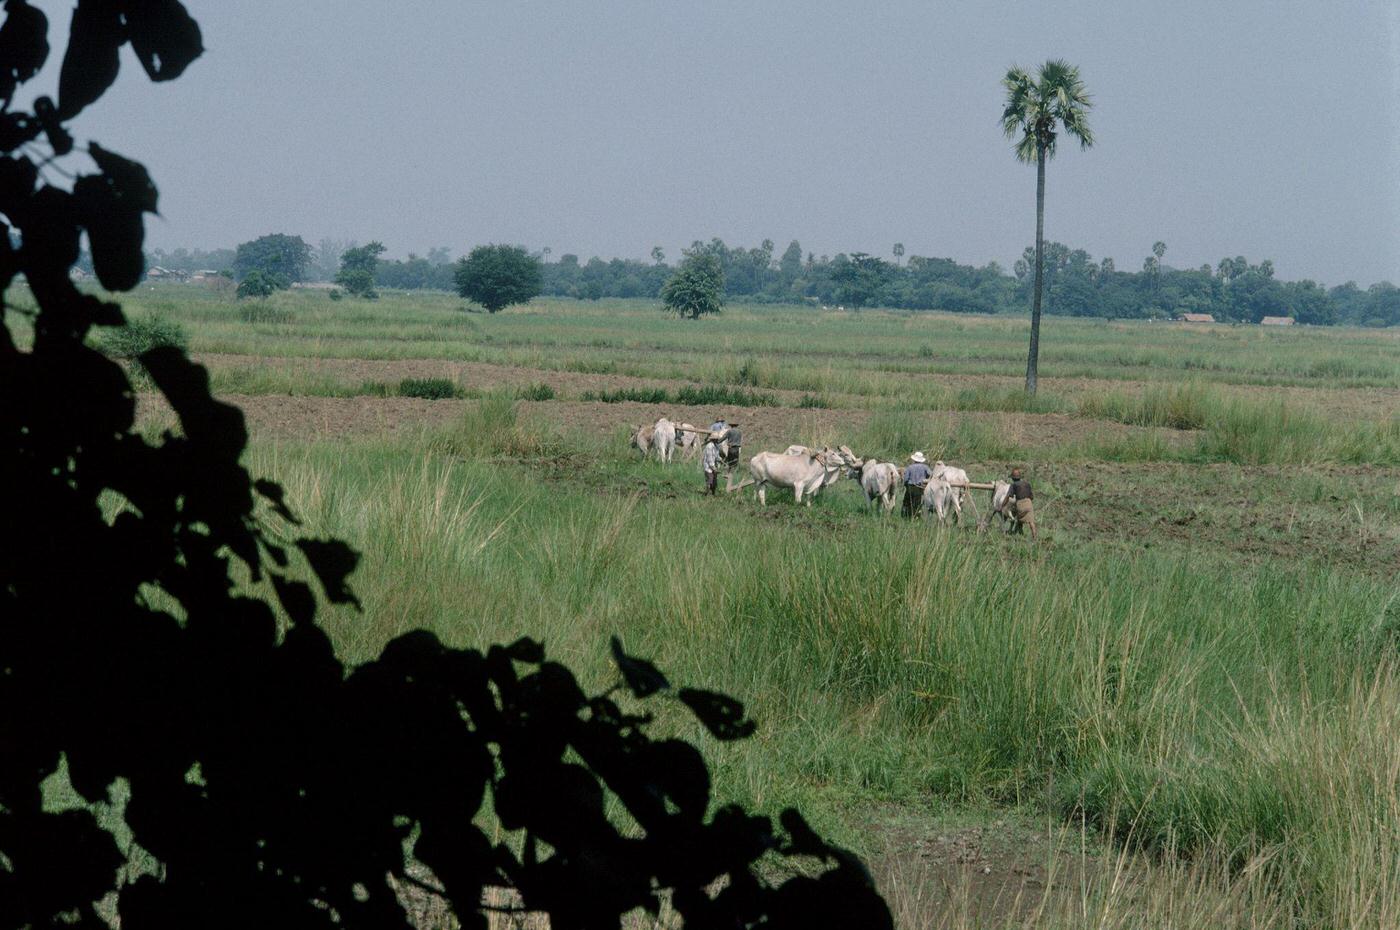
[(282, 259), (696, 288), (498, 276), (357, 268)]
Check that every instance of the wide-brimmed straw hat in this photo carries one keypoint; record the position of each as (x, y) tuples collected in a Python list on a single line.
[(918, 457)]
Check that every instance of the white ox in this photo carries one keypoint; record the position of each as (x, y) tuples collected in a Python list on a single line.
[(1003, 506), (805, 474), (664, 439), (958, 492), (641, 440), (880, 482), (938, 496)]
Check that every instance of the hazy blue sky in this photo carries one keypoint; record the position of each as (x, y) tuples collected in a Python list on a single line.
[(1268, 128)]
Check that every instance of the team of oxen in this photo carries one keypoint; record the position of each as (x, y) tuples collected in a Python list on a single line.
[(807, 471)]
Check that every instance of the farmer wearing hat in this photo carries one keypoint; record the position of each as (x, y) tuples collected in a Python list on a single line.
[(709, 462), (735, 439), (916, 475), (1023, 510)]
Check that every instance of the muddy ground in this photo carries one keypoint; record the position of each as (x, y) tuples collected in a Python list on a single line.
[(279, 416), (1342, 516)]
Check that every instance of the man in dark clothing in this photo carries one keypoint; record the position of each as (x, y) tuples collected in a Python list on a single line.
[(916, 475), (734, 439), (1022, 508)]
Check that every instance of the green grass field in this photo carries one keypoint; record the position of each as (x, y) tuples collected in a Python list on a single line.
[(1193, 674)]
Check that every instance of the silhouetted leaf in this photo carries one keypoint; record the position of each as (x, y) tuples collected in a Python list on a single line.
[(332, 561), (164, 36), (722, 715), (802, 839), (643, 678), (526, 649), (272, 492), (296, 598), (129, 181), (679, 769), (91, 62), (24, 45), (110, 205), (17, 129)]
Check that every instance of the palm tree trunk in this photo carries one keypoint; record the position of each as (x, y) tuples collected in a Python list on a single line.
[(1033, 360)]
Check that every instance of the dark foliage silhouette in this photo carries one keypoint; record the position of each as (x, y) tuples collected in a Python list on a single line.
[(270, 785)]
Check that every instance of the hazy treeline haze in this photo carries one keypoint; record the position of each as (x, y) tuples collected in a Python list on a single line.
[(1077, 284)]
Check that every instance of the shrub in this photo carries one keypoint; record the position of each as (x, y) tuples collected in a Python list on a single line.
[(535, 392), (429, 388), (709, 394), (140, 335), (630, 395), (337, 294), (261, 284), (261, 311)]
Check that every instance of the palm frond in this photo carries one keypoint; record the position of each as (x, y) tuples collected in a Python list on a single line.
[(1027, 148)]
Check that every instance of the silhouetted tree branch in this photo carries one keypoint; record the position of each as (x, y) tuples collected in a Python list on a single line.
[(272, 785)]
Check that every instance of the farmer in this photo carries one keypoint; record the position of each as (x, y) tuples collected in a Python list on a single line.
[(719, 426), (735, 439), (1022, 509), (916, 475), (709, 463)]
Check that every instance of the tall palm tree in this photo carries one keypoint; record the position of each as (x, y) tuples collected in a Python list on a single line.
[(1038, 108)]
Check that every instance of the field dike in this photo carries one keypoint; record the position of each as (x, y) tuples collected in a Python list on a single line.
[(1235, 729)]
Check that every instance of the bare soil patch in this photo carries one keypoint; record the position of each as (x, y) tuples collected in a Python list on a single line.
[(287, 417), (1346, 516), (992, 872), (1342, 515)]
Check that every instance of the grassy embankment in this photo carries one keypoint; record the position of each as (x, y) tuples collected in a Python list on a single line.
[(1235, 720), (1244, 717)]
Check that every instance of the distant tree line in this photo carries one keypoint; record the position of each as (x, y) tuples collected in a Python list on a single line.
[(1076, 284)]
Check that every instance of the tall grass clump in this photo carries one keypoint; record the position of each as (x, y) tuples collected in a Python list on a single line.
[(629, 395), (1253, 433), (537, 392), (1185, 407), (494, 428), (1004, 400), (891, 435), (262, 311), (430, 388), (717, 394), (140, 335), (687, 395)]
